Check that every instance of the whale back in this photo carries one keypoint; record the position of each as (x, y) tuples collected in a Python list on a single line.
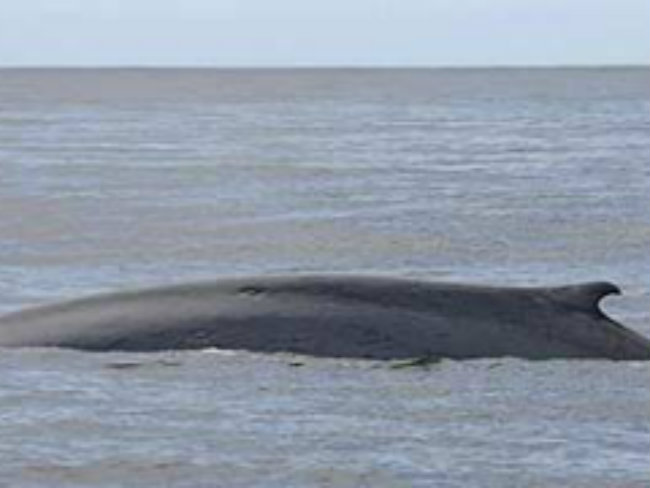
[(337, 315)]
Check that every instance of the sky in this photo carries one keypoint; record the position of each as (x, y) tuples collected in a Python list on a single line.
[(324, 32)]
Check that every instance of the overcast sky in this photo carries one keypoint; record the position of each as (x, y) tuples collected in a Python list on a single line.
[(324, 32)]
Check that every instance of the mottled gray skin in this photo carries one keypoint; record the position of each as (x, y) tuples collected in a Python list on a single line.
[(337, 316)]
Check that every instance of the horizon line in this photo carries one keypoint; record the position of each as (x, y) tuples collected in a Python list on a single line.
[(320, 66)]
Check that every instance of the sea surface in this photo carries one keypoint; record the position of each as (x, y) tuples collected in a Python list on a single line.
[(115, 179)]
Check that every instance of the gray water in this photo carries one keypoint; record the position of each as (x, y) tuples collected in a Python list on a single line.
[(114, 179)]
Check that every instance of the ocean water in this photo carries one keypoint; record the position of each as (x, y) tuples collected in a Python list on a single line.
[(113, 179)]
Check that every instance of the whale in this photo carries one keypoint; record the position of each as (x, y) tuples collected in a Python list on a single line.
[(337, 315)]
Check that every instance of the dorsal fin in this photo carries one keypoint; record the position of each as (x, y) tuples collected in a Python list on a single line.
[(585, 296)]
